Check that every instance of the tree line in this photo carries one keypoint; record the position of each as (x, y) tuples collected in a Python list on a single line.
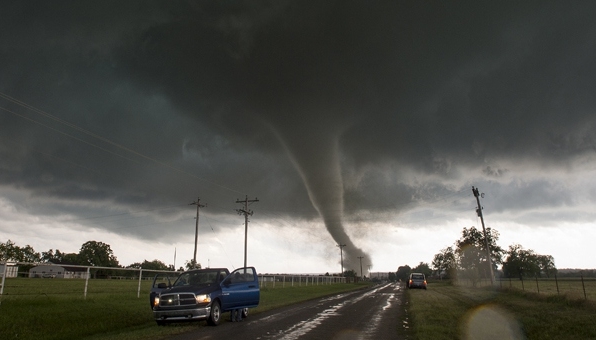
[(91, 253), (468, 259)]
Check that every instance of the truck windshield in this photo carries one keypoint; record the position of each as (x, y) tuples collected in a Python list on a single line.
[(196, 278)]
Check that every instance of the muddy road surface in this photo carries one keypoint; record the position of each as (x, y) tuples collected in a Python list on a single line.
[(374, 313)]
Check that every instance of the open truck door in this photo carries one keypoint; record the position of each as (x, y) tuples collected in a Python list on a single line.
[(240, 289)]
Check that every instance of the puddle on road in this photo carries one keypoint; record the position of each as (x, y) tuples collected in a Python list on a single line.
[(376, 320), (304, 327)]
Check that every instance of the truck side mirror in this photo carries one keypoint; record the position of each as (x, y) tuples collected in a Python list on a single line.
[(162, 285)]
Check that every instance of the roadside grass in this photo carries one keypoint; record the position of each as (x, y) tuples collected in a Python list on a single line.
[(447, 311), (57, 309), (571, 287)]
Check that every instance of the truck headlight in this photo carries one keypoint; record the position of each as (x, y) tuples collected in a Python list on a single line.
[(156, 300), (203, 298)]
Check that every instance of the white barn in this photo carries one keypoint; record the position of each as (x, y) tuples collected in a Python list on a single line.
[(58, 271), (11, 270)]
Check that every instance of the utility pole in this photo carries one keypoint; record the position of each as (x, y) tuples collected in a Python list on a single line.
[(479, 212), (199, 205), (361, 257), (341, 254), (246, 212)]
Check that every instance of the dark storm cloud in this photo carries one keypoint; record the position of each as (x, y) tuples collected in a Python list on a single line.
[(345, 105)]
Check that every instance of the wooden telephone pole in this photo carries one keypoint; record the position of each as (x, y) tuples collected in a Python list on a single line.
[(246, 212), (199, 205), (479, 211), (341, 254)]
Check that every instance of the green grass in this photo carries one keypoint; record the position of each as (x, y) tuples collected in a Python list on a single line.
[(570, 287), (57, 309), (446, 311)]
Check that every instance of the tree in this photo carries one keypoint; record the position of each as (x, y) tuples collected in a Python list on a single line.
[(50, 256), (522, 262), (98, 254), (403, 272), (191, 264), (154, 265), (472, 254), (423, 268), (445, 262), (350, 273), (9, 251), (71, 258), (392, 277), (547, 265), (28, 254)]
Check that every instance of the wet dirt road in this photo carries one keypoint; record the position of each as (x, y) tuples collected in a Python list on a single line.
[(367, 314)]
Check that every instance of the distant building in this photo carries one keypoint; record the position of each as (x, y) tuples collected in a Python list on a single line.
[(379, 275), (61, 271), (11, 270)]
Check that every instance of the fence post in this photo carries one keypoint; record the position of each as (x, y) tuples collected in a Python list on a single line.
[(583, 286), (557, 283), (537, 288), (3, 280), (87, 282), (139, 289)]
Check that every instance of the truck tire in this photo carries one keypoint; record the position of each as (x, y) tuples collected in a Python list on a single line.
[(215, 315)]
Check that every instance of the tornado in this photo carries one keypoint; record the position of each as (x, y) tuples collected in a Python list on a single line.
[(314, 151)]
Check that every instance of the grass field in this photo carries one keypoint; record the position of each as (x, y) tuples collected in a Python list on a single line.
[(447, 311), (571, 287), (57, 308)]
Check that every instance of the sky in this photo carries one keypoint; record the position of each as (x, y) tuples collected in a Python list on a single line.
[(347, 123)]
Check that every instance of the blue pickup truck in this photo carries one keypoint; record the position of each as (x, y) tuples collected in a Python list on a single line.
[(204, 294)]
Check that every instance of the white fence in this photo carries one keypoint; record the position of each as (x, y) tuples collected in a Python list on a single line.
[(283, 280), (9, 267), (57, 271)]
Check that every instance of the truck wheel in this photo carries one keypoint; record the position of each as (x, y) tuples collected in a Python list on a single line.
[(215, 316), (244, 313)]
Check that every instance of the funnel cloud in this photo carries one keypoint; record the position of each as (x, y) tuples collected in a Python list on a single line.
[(313, 148)]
